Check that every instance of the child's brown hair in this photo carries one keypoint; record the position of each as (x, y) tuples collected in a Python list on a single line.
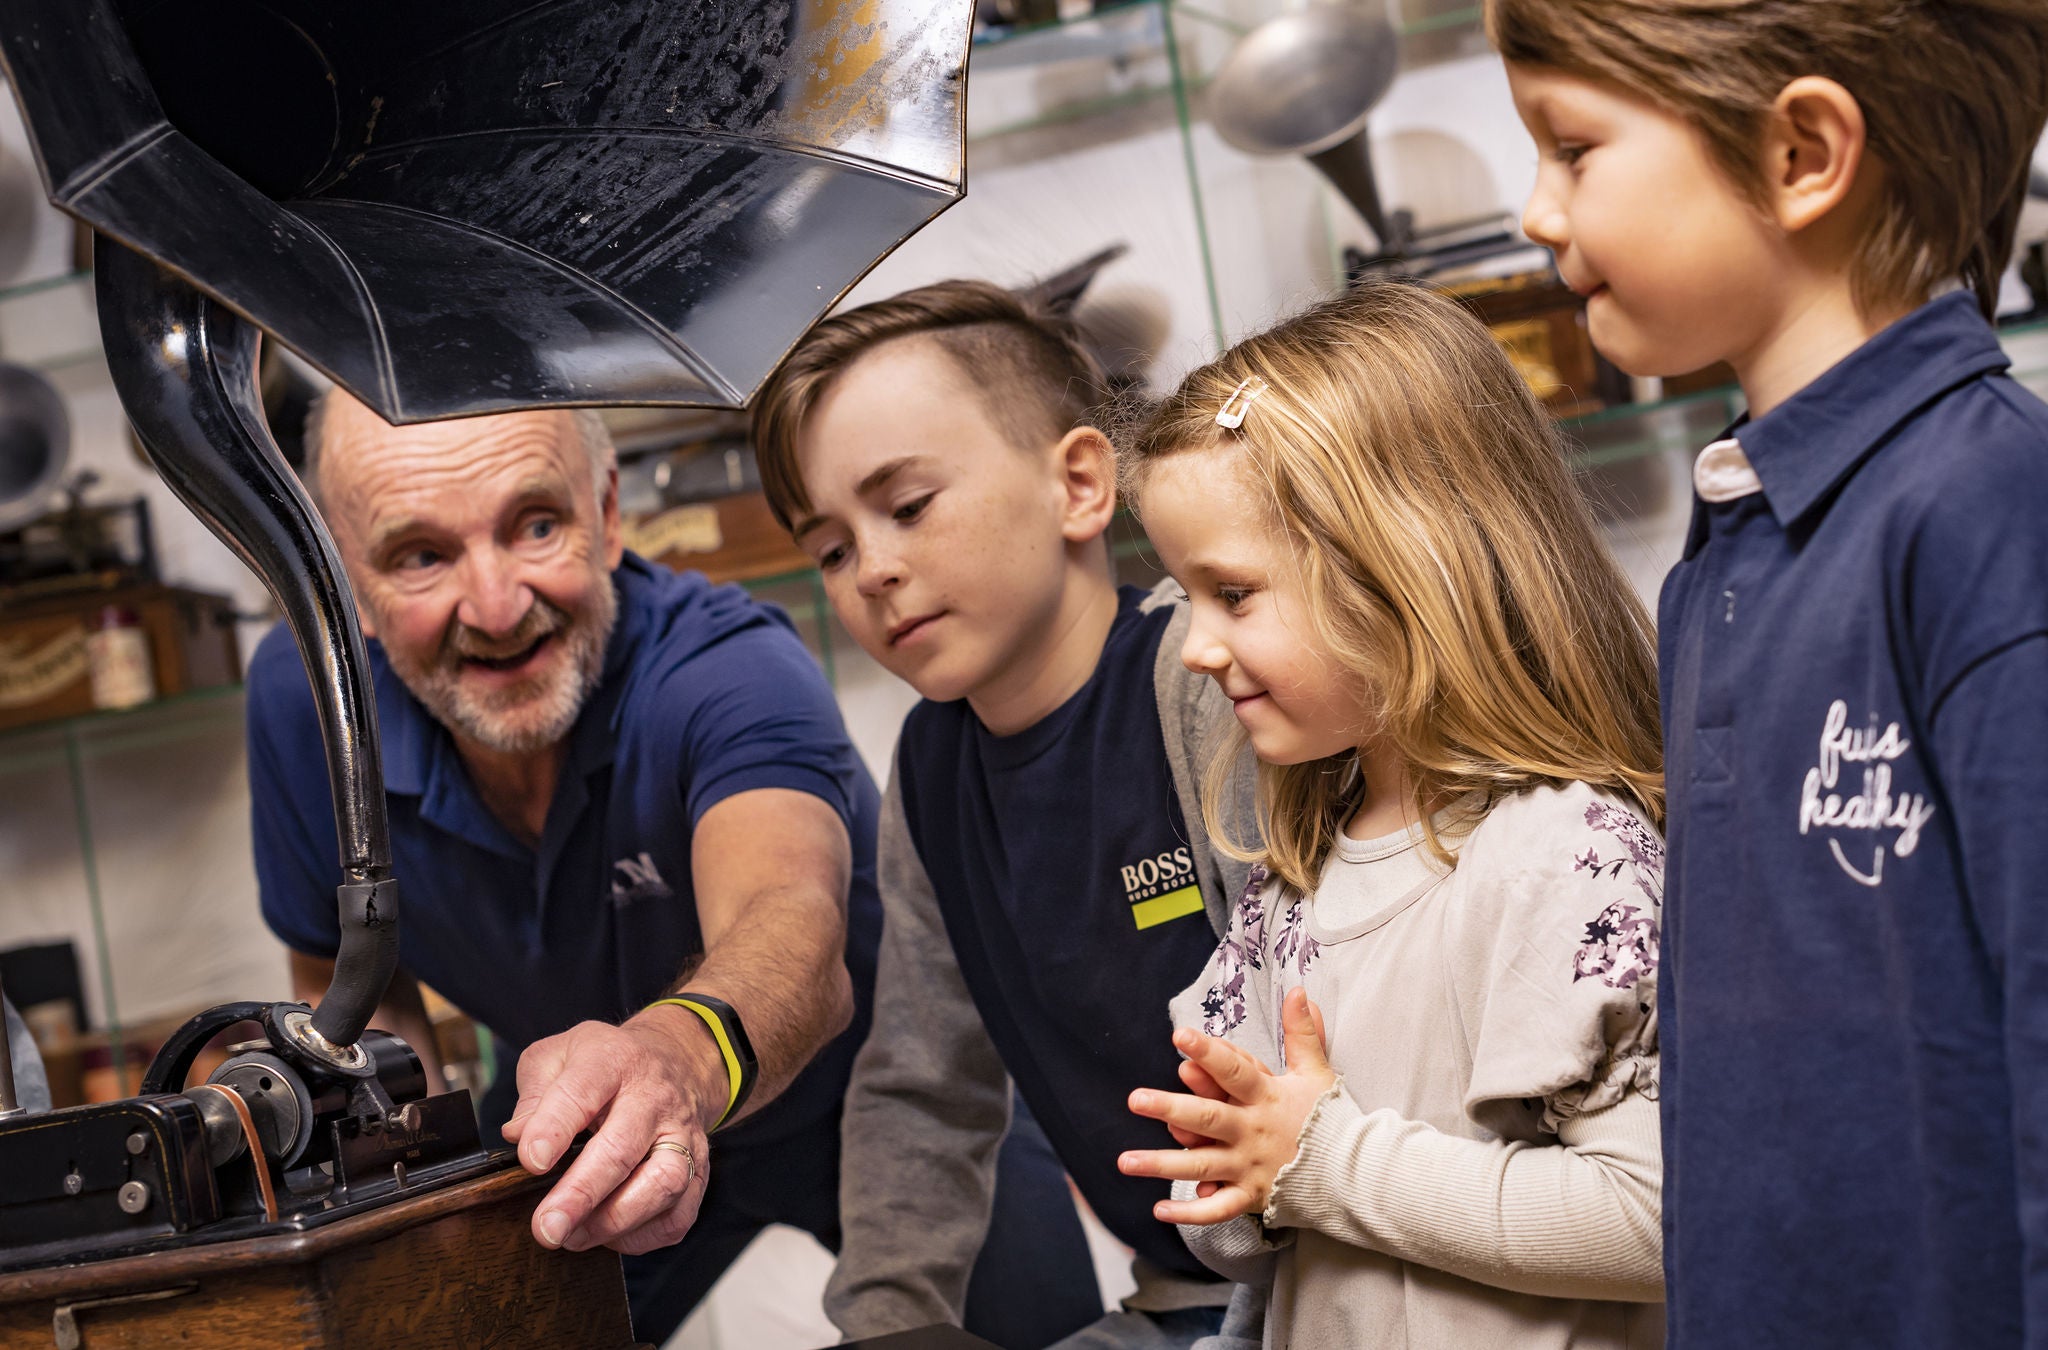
[(1954, 95), (1026, 363), (1444, 553)]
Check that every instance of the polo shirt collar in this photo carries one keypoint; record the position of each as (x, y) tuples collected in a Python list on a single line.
[(1809, 445)]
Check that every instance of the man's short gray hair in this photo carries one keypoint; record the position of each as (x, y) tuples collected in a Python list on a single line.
[(590, 430)]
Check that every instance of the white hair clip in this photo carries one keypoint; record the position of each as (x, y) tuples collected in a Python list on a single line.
[(1231, 415)]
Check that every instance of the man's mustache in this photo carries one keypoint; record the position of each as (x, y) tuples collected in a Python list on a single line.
[(541, 619)]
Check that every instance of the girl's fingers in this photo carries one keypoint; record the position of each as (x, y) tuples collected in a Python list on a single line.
[(1189, 1139), (1224, 1204), (1193, 1115), (1239, 1075), (1178, 1164), (1301, 1032), (1197, 1080)]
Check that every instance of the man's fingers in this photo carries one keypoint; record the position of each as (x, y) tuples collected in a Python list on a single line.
[(538, 1067), (1225, 1204), (1195, 1115), (608, 1159), (1237, 1073), (1179, 1164), (571, 1104), (654, 1207)]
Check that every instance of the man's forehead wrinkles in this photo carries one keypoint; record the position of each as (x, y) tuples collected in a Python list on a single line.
[(409, 494)]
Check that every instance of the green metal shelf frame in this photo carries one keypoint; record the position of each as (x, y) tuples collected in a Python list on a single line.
[(157, 722)]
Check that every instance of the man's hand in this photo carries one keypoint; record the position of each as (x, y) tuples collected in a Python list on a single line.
[(656, 1079), (1241, 1125)]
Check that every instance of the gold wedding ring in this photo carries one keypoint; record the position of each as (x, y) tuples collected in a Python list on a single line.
[(689, 1158)]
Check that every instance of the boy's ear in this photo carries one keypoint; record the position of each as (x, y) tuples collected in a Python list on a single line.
[(1813, 151), (1087, 468)]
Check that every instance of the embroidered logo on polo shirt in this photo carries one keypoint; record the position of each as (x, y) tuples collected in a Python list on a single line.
[(1161, 887), (638, 879), (1876, 809)]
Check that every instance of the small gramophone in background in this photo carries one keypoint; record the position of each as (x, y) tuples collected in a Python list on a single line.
[(1306, 84)]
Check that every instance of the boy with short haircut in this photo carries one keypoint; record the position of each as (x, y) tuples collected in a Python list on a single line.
[(1854, 1006), (1044, 869)]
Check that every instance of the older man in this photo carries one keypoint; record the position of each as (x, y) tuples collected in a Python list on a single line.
[(607, 784)]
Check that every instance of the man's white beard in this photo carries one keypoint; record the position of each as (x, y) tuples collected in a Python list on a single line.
[(530, 715)]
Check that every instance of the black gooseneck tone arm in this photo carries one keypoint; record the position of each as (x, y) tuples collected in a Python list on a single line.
[(185, 367)]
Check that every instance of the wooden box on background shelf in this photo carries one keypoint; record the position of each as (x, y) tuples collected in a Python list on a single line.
[(47, 649), (1542, 324)]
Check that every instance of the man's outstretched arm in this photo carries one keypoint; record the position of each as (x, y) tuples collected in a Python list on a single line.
[(771, 868)]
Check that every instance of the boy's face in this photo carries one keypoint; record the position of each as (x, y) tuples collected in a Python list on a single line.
[(1249, 628), (1677, 264), (939, 540)]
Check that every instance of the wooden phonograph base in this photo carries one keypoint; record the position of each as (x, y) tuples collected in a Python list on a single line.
[(456, 1266)]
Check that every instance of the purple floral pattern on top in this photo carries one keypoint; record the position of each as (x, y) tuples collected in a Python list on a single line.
[(1241, 950), (1620, 946), (1294, 944)]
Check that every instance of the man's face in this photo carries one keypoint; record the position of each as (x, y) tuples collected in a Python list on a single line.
[(481, 556), (940, 541), (1677, 264)]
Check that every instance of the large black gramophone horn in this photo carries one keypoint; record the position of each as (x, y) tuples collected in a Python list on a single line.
[(456, 207)]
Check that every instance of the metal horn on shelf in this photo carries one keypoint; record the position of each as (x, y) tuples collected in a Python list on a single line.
[(456, 208), (1304, 84), (35, 444)]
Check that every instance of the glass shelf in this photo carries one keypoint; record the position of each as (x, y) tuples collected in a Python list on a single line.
[(151, 723), (41, 284), (78, 750), (1094, 36)]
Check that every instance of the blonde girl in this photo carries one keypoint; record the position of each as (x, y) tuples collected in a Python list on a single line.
[(1423, 1063)]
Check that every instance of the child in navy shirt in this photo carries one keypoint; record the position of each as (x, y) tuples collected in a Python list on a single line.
[(1854, 1004), (1046, 881)]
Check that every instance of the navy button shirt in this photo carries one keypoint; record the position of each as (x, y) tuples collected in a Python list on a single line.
[(705, 694), (1854, 1003)]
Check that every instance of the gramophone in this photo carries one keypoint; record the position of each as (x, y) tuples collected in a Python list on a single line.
[(1305, 83), (450, 208)]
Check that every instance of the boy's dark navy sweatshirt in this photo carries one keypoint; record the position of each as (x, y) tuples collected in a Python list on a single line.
[(1854, 1005), (1044, 895)]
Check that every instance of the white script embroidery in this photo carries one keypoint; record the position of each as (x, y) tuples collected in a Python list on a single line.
[(1875, 807)]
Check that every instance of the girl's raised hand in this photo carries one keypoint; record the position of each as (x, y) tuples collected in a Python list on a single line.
[(1248, 1132)]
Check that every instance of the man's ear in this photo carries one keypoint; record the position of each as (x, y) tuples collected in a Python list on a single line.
[(614, 528), (1087, 467), (1813, 152)]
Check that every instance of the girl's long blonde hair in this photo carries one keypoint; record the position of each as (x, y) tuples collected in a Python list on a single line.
[(1445, 555)]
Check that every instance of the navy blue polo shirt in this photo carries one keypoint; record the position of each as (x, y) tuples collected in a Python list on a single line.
[(1854, 995), (705, 694), (1059, 860)]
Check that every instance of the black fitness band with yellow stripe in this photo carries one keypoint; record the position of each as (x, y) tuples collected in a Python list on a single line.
[(733, 1047)]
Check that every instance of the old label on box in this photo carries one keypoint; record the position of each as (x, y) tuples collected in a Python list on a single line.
[(32, 671)]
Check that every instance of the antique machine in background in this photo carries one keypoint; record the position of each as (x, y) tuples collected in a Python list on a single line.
[(450, 208)]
